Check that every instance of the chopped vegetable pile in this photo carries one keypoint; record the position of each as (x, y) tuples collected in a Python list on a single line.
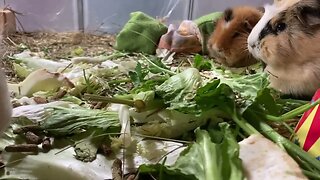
[(183, 120)]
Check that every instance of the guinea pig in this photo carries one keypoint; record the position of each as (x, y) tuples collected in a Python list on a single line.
[(5, 104), (227, 44), (287, 40)]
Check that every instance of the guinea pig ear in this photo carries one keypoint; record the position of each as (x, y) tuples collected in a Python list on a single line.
[(309, 13), (228, 14)]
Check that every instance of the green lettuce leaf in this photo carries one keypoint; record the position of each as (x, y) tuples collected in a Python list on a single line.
[(62, 121), (245, 87), (205, 160), (212, 161), (201, 63), (179, 90)]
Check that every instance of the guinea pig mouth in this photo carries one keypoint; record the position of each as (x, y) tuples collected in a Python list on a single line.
[(264, 65), (216, 54)]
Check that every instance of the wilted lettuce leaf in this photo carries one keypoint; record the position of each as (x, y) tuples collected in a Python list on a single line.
[(205, 160), (246, 87), (210, 160), (184, 92), (65, 121), (172, 124), (179, 90)]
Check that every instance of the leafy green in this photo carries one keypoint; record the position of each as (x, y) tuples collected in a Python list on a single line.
[(65, 121), (246, 87), (213, 94), (163, 172), (265, 103), (148, 85), (138, 76), (155, 70), (171, 123), (206, 160), (210, 160), (201, 64), (179, 90)]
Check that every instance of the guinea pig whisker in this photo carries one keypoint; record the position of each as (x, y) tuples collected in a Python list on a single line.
[(272, 74)]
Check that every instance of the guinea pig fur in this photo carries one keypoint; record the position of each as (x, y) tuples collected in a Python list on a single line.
[(228, 42), (287, 40), (5, 104)]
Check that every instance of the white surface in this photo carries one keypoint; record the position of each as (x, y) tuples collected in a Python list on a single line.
[(111, 15), (50, 15), (264, 160)]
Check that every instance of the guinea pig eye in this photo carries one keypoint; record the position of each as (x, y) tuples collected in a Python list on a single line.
[(280, 27), (236, 34)]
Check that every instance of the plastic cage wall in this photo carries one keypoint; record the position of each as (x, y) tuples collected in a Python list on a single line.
[(108, 16)]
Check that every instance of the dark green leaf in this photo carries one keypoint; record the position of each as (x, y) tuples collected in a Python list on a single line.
[(154, 170), (212, 95), (138, 76), (148, 85), (265, 103), (157, 61), (201, 64)]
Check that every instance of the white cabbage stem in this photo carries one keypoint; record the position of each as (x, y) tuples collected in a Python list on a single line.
[(124, 117)]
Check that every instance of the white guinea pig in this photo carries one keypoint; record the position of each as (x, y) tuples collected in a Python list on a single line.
[(5, 104), (287, 40)]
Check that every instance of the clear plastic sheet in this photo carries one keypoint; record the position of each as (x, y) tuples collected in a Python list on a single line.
[(108, 16)]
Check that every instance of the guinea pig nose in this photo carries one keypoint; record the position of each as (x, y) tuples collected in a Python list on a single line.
[(216, 48), (252, 46)]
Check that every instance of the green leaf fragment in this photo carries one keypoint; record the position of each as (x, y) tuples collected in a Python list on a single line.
[(179, 90), (201, 64), (65, 121), (205, 160), (212, 161)]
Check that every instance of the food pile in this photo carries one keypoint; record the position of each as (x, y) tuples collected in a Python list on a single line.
[(136, 115)]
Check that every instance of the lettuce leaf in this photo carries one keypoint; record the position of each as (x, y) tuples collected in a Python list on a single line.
[(204, 160), (179, 90), (65, 121)]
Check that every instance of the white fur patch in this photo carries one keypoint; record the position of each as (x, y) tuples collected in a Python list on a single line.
[(253, 39), (226, 25), (270, 12)]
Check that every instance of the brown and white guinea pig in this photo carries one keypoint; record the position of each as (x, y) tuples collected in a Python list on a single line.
[(5, 104), (228, 42), (287, 40)]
